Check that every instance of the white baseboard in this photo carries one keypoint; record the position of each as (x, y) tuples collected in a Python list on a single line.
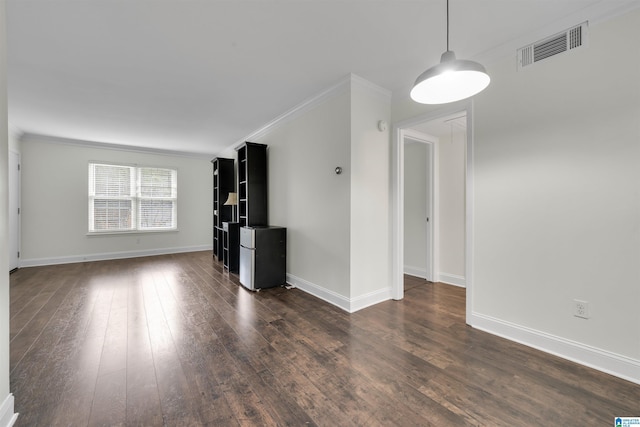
[(319, 292), (452, 279), (349, 305), (449, 279), (415, 271), (601, 360), (7, 416), (367, 300), (34, 262)]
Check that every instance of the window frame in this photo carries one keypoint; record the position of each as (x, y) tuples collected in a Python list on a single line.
[(136, 198)]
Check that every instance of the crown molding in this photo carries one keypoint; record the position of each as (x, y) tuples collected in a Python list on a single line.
[(369, 86), (32, 137), (340, 87), (336, 89)]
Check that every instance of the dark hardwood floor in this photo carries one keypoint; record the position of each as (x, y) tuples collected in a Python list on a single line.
[(173, 340)]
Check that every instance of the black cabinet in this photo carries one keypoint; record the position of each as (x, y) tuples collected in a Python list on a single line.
[(252, 184), (263, 257), (231, 246), (223, 184)]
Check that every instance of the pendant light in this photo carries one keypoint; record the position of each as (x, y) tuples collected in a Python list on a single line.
[(451, 80)]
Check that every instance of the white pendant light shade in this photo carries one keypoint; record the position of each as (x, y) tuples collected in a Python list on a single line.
[(449, 81)]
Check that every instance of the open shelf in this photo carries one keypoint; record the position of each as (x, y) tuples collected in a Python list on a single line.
[(223, 184), (252, 184)]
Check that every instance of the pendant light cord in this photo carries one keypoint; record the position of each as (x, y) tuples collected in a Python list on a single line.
[(447, 25)]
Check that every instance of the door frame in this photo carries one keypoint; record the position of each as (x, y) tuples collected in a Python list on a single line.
[(14, 206), (431, 143), (397, 193)]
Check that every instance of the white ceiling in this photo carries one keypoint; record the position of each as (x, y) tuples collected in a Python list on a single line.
[(198, 76)]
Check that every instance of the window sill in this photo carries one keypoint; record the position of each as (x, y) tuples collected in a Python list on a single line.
[(128, 233)]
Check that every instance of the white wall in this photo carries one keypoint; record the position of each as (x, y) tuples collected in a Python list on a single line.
[(415, 208), (557, 192), (6, 399), (54, 204), (337, 225), (307, 197), (451, 206), (557, 200), (370, 196)]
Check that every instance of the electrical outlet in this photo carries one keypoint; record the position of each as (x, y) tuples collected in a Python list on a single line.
[(581, 309)]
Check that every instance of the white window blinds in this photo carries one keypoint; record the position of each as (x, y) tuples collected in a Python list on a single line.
[(157, 198), (128, 198)]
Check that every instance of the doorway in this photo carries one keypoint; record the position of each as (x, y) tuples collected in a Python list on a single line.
[(419, 202), (14, 210), (424, 125)]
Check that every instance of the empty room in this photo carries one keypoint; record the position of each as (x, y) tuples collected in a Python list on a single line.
[(328, 213)]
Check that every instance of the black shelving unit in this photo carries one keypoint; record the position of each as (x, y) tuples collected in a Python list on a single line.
[(231, 246), (223, 184), (252, 185)]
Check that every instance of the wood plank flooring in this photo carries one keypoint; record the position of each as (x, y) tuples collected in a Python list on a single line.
[(174, 340)]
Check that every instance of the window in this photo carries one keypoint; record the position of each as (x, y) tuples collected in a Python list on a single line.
[(128, 198)]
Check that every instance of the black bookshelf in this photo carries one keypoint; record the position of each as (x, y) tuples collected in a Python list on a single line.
[(252, 185), (231, 246), (223, 184)]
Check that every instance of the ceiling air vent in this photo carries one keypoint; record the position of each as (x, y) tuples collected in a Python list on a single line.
[(565, 41)]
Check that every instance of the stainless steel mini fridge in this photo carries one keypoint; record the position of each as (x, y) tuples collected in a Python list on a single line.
[(263, 257)]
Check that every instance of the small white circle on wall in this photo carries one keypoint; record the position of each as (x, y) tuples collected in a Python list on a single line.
[(382, 125)]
